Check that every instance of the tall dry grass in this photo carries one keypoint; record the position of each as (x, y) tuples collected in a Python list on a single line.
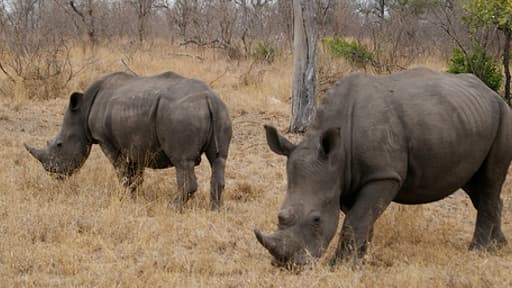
[(87, 232)]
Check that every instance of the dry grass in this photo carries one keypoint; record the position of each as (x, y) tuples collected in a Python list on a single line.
[(86, 232)]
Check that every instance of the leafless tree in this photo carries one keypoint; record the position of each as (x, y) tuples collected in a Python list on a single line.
[(33, 54), (285, 11), (86, 13), (143, 9), (181, 13), (324, 8)]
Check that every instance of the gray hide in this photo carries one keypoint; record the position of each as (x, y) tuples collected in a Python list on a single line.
[(157, 122), (412, 137)]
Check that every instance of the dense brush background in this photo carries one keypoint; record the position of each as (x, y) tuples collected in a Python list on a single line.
[(88, 232)]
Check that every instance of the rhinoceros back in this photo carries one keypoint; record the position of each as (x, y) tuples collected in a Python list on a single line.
[(430, 131), (138, 115)]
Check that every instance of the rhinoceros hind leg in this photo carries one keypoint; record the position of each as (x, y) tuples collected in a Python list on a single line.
[(488, 234), (484, 189), (485, 198), (187, 183), (217, 182)]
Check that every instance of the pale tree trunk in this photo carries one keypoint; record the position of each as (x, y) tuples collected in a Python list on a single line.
[(506, 63), (304, 66)]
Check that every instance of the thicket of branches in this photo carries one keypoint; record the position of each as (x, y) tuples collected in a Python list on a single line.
[(395, 31)]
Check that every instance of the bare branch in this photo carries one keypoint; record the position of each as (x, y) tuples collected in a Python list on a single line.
[(72, 4), (187, 55), (218, 78), (6, 73)]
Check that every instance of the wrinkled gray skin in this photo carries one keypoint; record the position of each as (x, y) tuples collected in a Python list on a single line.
[(157, 122), (411, 137)]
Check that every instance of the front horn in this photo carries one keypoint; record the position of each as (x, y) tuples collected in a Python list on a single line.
[(39, 154)]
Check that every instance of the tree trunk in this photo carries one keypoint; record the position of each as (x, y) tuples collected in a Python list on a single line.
[(506, 63), (141, 30), (304, 66)]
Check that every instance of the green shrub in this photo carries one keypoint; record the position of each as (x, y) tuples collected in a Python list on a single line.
[(264, 52), (479, 62), (354, 52)]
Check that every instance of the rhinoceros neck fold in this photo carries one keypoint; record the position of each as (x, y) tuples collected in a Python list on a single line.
[(90, 97)]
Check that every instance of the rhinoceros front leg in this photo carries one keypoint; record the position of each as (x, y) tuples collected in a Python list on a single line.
[(187, 183), (130, 175), (357, 228)]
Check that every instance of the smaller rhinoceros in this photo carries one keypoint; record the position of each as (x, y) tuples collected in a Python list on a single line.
[(157, 122)]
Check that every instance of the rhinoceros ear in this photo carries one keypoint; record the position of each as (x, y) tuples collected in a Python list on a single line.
[(329, 141), (75, 101), (278, 143)]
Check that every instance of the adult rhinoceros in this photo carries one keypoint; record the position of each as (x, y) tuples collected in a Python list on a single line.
[(157, 122), (411, 137)]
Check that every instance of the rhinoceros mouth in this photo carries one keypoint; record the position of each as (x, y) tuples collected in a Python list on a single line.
[(297, 261), (56, 171), (59, 173)]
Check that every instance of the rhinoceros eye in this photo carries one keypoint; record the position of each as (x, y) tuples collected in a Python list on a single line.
[(59, 144), (316, 219)]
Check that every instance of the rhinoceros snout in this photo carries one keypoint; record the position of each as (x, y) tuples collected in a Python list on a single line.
[(43, 156)]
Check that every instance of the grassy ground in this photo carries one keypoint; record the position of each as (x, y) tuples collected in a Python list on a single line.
[(87, 232)]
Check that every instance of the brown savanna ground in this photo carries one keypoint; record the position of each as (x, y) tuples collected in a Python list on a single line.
[(87, 232)]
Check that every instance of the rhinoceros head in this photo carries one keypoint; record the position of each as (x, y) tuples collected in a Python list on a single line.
[(309, 215), (67, 152)]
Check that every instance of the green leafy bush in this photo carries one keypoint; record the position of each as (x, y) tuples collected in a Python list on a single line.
[(479, 62), (264, 52), (352, 51)]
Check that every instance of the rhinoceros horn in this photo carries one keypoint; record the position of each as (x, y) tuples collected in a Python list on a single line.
[(273, 244), (39, 154), (267, 241)]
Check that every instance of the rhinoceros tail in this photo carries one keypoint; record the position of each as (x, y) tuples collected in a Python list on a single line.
[(214, 124)]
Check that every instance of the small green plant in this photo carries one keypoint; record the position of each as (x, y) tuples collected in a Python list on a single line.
[(479, 62), (352, 51), (264, 52)]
